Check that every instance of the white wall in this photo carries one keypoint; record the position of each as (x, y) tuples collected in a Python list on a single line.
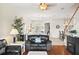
[(76, 18), (9, 11), (6, 19), (53, 30)]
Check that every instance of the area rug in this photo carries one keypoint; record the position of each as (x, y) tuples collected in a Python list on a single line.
[(37, 53)]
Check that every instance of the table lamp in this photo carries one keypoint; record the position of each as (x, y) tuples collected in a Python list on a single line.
[(14, 32)]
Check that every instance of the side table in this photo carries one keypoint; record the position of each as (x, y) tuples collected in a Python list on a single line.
[(21, 43)]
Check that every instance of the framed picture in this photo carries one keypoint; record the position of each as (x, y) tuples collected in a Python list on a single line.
[(57, 26)]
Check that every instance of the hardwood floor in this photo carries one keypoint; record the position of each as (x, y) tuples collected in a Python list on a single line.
[(56, 50)]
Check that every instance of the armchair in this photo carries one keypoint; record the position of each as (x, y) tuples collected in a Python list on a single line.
[(3, 44)]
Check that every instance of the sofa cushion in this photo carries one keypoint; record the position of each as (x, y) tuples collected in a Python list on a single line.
[(38, 38)]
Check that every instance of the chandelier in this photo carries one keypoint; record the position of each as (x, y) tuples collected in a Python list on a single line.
[(43, 6)]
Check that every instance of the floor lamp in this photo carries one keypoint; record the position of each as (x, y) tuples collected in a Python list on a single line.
[(14, 32)]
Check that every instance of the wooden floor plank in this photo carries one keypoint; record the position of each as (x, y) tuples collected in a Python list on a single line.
[(56, 50)]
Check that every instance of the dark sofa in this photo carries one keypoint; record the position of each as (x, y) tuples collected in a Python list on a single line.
[(38, 43)]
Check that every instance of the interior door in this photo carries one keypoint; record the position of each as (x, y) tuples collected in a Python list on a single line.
[(47, 28)]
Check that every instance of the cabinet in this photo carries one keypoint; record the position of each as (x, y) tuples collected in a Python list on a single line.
[(73, 44)]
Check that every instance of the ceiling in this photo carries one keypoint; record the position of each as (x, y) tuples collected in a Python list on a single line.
[(55, 10)]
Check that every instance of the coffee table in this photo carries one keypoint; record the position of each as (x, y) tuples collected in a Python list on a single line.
[(37, 53)]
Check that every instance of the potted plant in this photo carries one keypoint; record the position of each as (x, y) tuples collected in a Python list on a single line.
[(19, 26)]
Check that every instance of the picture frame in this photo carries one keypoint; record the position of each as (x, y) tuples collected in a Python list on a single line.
[(57, 26)]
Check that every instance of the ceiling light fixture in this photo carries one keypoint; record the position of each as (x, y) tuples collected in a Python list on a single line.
[(43, 6)]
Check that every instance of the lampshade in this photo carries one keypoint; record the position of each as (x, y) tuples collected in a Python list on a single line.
[(14, 32)]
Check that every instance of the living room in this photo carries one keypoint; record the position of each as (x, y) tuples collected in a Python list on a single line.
[(49, 23)]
